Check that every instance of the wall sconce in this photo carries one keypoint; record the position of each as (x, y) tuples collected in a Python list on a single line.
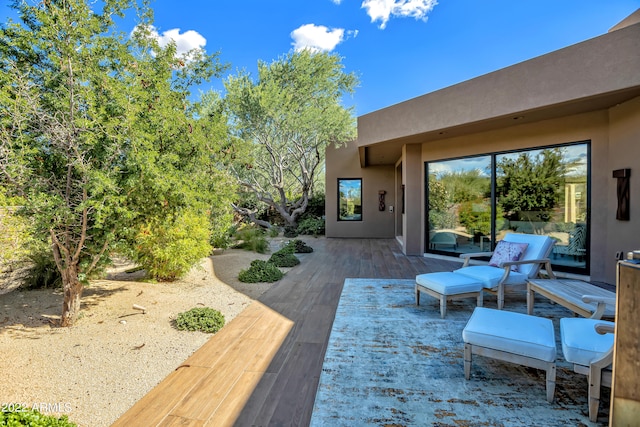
[(381, 205), (623, 192)]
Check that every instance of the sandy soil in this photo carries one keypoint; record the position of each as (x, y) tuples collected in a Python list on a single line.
[(96, 370)]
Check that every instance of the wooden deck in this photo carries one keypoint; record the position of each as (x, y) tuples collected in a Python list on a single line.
[(262, 369)]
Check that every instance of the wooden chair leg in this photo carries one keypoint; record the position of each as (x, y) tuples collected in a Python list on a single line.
[(443, 306), (467, 361), (595, 379), (551, 382)]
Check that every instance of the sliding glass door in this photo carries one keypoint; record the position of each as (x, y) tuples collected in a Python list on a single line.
[(474, 201)]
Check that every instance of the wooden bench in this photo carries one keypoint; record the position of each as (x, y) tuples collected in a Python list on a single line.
[(568, 293)]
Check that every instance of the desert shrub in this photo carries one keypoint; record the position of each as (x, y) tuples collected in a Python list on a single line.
[(260, 271), (284, 259), (252, 239), (313, 226), (43, 272), (31, 417), (274, 231), (168, 249), (202, 319), (290, 231), (300, 247)]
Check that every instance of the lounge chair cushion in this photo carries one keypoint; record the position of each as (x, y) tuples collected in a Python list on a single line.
[(490, 276), (448, 283), (511, 332), (507, 251), (539, 247), (581, 344)]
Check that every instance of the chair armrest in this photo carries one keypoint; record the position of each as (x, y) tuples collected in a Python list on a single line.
[(467, 257), (601, 304), (525, 261), (604, 328)]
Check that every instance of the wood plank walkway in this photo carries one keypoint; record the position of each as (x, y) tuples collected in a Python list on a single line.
[(263, 367)]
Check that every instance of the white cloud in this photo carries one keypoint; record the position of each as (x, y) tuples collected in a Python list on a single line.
[(336, 1), (318, 37), (382, 10), (186, 42)]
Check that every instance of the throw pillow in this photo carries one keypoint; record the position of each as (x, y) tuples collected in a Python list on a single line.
[(507, 251)]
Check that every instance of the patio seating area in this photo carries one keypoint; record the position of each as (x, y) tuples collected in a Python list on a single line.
[(263, 368)]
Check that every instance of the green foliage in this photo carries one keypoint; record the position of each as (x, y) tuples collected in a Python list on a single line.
[(314, 226), (287, 117), (168, 249), (204, 319), (260, 271), (253, 239), (530, 184), (476, 217), (284, 259), (98, 130), (300, 247), (32, 418), (43, 272), (290, 231)]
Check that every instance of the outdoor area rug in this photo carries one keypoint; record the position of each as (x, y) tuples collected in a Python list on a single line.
[(392, 363)]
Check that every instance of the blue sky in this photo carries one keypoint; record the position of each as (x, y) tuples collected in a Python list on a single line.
[(400, 48)]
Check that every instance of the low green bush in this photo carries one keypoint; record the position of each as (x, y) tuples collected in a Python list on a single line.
[(300, 247), (252, 239), (31, 418), (167, 249), (260, 271), (312, 226), (284, 259), (204, 319)]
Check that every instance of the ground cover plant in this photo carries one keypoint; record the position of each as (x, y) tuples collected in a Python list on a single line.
[(204, 319), (15, 416), (260, 271)]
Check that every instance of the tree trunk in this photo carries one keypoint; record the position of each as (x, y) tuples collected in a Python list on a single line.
[(72, 293)]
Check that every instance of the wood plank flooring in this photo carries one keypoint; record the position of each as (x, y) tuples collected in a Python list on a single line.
[(263, 368)]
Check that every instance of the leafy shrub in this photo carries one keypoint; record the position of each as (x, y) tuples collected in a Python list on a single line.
[(300, 247), (203, 319), (43, 272), (290, 231), (168, 249), (313, 226), (32, 418), (284, 259), (260, 271), (252, 239)]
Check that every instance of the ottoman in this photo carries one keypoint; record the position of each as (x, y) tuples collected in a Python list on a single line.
[(447, 286), (512, 337)]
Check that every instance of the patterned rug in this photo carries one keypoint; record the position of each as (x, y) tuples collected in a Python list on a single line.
[(391, 363)]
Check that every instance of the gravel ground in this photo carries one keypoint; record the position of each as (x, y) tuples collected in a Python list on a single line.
[(96, 370)]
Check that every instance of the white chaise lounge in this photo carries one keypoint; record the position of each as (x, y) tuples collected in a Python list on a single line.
[(517, 258)]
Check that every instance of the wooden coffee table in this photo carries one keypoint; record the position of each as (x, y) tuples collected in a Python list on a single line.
[(568, 293)]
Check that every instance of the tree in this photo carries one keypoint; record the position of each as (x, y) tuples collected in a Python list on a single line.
[(94, 132), (288, 117), (530, 184)]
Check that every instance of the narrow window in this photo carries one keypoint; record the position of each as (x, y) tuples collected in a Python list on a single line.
[(349, 199)]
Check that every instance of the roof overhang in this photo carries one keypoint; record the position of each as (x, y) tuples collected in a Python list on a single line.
[(593, 75)]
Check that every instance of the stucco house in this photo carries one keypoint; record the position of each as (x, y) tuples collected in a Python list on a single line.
[(440, 172)]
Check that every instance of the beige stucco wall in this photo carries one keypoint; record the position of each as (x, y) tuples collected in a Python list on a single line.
[(344, 163), (624, 152)]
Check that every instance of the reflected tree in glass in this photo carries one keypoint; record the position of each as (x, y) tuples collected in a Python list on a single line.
[(349, 199)]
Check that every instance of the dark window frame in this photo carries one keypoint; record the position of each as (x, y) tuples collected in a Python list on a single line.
[(338, 213)]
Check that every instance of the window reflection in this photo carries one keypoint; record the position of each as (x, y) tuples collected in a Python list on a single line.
[(541, 191), (349, 199)]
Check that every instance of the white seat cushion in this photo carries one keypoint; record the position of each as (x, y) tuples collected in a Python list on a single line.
[(449, 283), (539, 247), (490, 276), (511, 332), (581, 344)]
